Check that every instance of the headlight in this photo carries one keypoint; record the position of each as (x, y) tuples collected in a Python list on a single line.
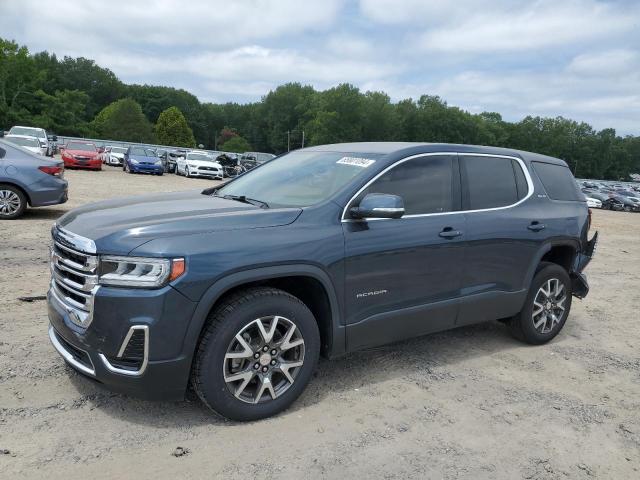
[(134, 161), (139, 272), (158, 162)]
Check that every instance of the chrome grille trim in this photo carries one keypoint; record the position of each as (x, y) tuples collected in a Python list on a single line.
[(74, 275)]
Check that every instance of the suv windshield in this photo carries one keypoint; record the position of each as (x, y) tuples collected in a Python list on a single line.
[(299, 179), (87, 147), (31, 132)]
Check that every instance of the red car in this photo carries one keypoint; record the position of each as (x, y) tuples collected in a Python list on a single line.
[(78, 154)]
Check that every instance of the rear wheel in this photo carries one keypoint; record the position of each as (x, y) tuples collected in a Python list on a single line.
[(256, 355), (547, 306), (13, 202)]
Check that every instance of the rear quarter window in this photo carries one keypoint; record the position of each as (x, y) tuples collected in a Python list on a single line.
[(558, 181)]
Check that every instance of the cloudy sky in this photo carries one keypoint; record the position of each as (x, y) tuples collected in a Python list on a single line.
[(576, 58)]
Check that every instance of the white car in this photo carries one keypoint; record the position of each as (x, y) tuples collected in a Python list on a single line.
[(39, 133), (30, 143), (114, 156), (198, 164), (593, 203)]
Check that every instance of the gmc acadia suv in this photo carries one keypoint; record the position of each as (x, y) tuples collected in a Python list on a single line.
[(238, 289)]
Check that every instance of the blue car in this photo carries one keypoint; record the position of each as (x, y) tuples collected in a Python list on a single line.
[(142, 160)]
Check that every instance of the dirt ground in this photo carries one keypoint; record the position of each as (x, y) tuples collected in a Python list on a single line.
[(470, 403)]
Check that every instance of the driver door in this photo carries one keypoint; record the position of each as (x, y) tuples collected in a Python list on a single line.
[(403, 276)]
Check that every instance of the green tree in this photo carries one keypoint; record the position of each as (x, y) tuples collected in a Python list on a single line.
[(123, 120), (172, 129), (236, 144)]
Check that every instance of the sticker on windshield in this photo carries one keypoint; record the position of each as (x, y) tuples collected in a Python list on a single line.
[(356, 162)]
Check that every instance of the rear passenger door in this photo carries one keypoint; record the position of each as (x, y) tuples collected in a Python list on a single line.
[(500, 246)]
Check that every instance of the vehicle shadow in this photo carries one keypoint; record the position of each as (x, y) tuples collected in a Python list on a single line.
[(426, 358), (42, 213)]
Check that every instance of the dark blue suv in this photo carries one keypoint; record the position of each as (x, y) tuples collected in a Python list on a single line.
[(238, 289)]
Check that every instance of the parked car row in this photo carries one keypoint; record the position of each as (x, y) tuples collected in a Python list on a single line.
[(33, 139), (611, 196)]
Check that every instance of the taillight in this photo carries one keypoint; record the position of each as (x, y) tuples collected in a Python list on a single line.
[(55, 171)]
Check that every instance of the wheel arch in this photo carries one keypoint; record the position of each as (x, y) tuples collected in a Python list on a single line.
[(19, 187), (561, 252), (309, 283)]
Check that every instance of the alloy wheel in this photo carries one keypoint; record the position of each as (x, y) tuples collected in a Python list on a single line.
[(9, 202), (264, 359), (549, 305)]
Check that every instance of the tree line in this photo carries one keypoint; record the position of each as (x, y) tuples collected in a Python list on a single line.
[(77, 97)]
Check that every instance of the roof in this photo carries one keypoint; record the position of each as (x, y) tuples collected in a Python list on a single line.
[(413, 148)]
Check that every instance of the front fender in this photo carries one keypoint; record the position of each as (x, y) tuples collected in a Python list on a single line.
[(225, 284)]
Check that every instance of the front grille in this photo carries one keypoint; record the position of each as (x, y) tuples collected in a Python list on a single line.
[(208, 169), (74, 278)]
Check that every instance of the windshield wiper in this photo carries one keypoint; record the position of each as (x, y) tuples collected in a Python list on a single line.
[(245, 199)]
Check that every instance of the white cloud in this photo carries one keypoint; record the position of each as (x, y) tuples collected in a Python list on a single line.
[(576, 58), (607, 63), (140, 23), (536, 25)]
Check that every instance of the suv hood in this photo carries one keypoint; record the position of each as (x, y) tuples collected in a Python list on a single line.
[(121, 225), (203, 163), (143, 158)]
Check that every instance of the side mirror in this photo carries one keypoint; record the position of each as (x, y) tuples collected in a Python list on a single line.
[(379, 205)]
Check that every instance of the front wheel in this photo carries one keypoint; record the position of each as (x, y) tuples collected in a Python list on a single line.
[(547, 306), (257, 354)]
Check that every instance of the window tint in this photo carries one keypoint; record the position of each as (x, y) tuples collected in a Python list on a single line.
[(423, 183), (521, 181), (558, 181), (491, 182)]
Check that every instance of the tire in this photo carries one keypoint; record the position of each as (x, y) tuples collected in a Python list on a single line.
[(627, 208), (13, 202), (237, 315), (549, 324), (186, 172)]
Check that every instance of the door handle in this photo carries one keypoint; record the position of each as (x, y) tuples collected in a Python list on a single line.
[(448, 232), (536, 226)]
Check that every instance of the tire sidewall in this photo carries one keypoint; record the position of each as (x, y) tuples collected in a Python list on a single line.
[(211, 360), (544, 274)]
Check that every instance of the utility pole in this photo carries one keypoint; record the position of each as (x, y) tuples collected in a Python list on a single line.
[(302, 138), (288, 141)]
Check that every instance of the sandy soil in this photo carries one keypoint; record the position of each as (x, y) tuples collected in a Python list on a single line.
[(470, 403)]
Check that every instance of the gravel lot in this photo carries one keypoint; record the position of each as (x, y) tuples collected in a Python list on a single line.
[(469, 403)]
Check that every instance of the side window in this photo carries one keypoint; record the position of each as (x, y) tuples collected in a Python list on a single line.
[(521, 180), (558, 181), (425, 184), (490, 182)]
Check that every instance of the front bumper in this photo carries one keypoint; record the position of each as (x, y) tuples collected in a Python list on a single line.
[(206, 173), (143, 168), (98, 351), (95, 164)]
